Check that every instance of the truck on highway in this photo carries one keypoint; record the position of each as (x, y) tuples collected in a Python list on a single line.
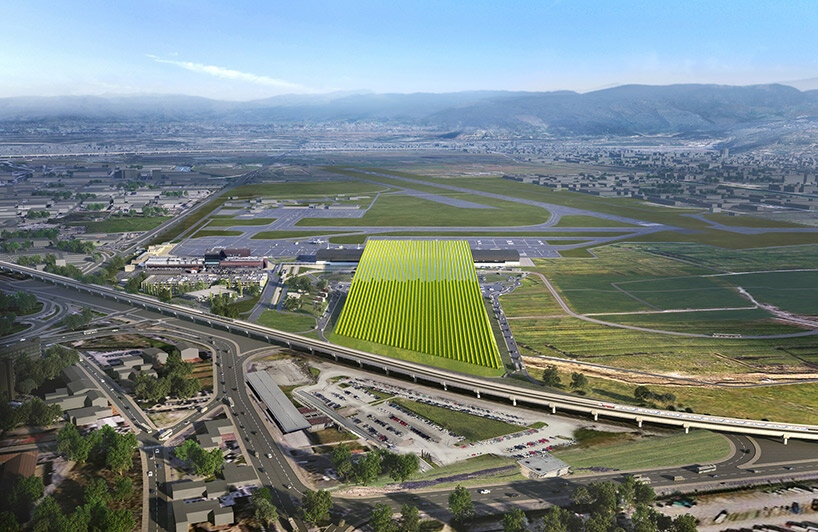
[(164, 434), (708, 468)]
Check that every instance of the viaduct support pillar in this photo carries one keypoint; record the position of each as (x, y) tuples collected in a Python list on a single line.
[(444, 386), (596, 415), (687, 428), (553, 408), (414, 379), (514, 401), (478, 393), (786, 438), (639, 422)]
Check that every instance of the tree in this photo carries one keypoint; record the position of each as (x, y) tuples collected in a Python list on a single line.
[(119, 455), (367, 468), (23, 493), (97, 490), (409, 518), (554, 519), (551, 377), (381, 519), (627, 490), (460, 504), (514, 521), (578, 381), (8, 523), (315, 505), (41, 414), (48, 517), (123, 488), (342, 460), (684, 523), (604, 497), (399, 467), (72, 445), (581, 496), (643, 494), (265, 512)]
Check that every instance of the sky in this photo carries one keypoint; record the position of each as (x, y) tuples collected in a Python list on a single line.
[(243, 50)]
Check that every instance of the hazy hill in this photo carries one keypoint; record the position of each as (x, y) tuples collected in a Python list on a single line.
[(624, 110)]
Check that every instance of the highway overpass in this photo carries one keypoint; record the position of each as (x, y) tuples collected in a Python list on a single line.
[(447, 379)]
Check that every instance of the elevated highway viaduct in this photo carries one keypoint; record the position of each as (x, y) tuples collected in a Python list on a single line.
[(447, 379)]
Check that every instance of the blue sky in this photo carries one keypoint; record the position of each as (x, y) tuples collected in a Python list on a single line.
[(254, 49)]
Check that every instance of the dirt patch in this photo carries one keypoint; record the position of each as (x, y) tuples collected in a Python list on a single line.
[(723, 379), (285, 371)]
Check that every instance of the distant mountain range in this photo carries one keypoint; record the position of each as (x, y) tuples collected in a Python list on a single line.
[(620, 111)]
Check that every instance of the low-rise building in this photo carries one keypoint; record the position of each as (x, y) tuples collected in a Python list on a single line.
[(187, 351), (240, 476), (88, 415), (543, 466)]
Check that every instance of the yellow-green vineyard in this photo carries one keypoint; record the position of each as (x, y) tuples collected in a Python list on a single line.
[(421, 296)]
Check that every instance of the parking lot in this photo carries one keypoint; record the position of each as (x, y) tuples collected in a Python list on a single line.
[(364, 406)]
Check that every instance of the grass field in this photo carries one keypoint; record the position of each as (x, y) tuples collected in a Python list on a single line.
[(286, 322), (231, 222), (748, 221), (421, 296), (576, 253), (402, 210), (795, 403), (531, 298), (305, 189), (361, 238), (697, 447), (645, 351), (729, 260), (125, 225), (480, 469), (472, 428), (274, 235), (216, 232), (755, 322), (580, 220)]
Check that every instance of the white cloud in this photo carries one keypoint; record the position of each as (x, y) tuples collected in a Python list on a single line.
[(228, 73)]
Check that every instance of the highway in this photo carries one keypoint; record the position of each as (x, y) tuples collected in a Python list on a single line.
[(499, 389), (756, 460)]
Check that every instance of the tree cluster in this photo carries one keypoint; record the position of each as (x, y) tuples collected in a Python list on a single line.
[(175, 380), (31, 373), (263, 509), (105, 447), (50, 234), (223, 305), (12, 305), (204, 463), (383, 520), (363, 469), (316, 505), (79, 320), (299, 283), (34, 412), (94, 514), (13, 246), (645, 394), (29, 260), (34, 213), (75, 245)]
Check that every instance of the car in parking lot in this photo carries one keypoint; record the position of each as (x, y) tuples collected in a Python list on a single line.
[(485, 491)]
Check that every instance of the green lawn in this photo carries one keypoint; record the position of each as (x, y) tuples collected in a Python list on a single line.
[(575, 253), (206, 232), (580, 220), (232, 222), (286, 322), (304, 189), (361, 238), (748, 221), (697, 447), (472, 428), (401, 210), (473, 466), (275, 235), (531, 298), (125, 224)]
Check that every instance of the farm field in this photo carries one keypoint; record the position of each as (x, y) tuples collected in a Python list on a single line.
[(420, 296), (575, 339), (697, 447), (531, 298)]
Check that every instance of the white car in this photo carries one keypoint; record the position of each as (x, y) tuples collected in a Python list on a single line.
[(150, 473), (485, 492), (268, 455)]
